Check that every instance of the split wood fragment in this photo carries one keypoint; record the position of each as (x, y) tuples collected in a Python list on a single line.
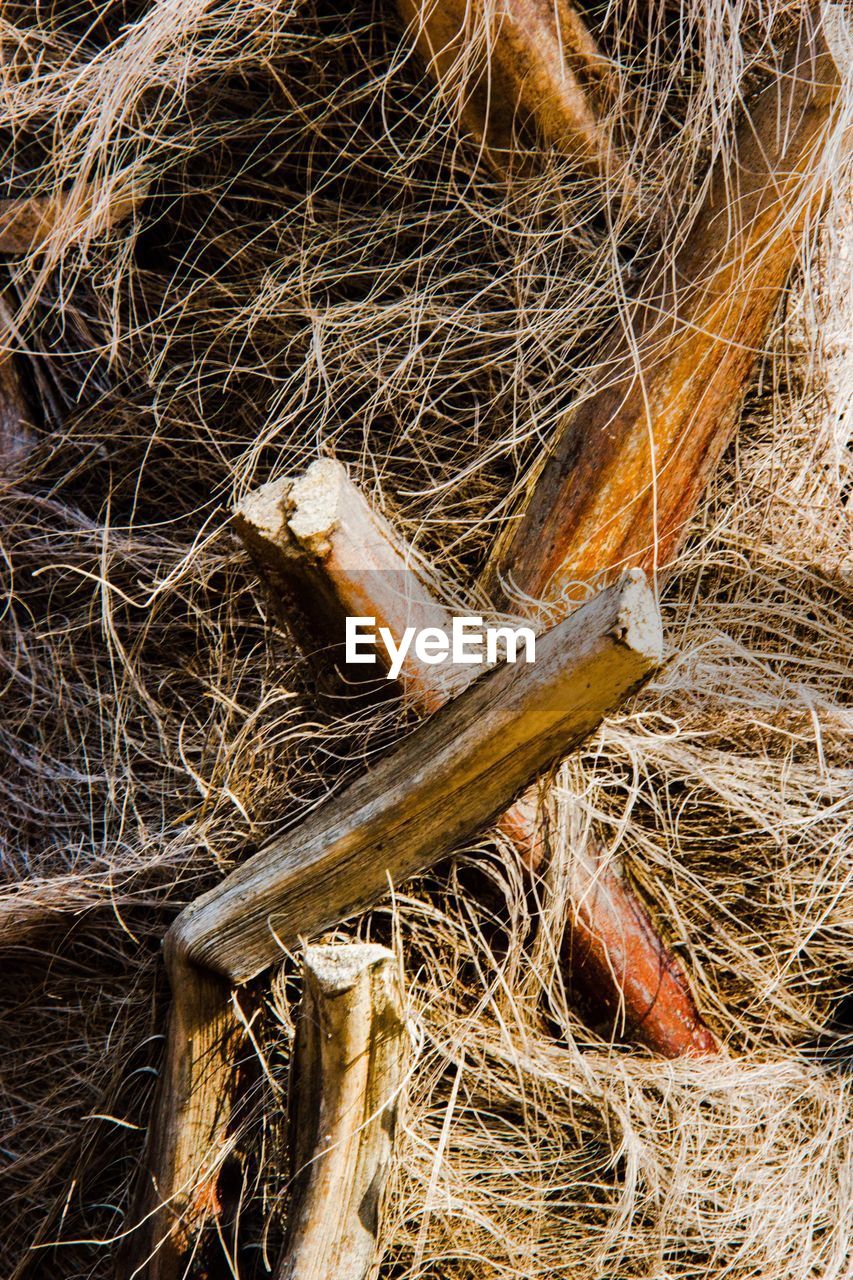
[(446, 781), (188, 1137), (323, 552), (348, 1072), (632, 460), (522, 66)]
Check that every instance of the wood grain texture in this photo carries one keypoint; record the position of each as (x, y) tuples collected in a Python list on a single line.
[(447, 780), (317, 540), (348, 1071), (188, 1134), (526, 70), (631, 461)]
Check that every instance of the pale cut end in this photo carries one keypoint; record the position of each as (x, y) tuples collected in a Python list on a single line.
[(313, 505), (295, 516), (336, 969), (263, 510), (638, 622)]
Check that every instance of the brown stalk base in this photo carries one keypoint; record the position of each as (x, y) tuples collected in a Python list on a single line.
[(16, 436), (632, 461), (526, 70), (27, 224)]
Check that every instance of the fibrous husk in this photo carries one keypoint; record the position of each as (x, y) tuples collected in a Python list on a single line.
[(320, 267)]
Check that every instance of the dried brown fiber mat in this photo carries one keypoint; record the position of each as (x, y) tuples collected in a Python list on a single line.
[(236, 238)]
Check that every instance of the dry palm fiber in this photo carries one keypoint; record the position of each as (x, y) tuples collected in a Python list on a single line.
[(320, 266)]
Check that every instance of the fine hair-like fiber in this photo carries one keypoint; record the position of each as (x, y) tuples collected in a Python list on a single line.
[(312, 260)]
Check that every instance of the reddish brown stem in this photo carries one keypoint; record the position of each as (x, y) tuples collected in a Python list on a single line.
[(523, 67), (631, 461), (612, 949)]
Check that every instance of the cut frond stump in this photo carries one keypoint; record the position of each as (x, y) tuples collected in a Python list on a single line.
[(633, 459), (451, 777), (324, 554), (348, 1072), (316, 541)]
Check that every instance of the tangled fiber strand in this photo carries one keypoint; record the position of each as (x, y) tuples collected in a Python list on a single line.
[(316, 262)]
